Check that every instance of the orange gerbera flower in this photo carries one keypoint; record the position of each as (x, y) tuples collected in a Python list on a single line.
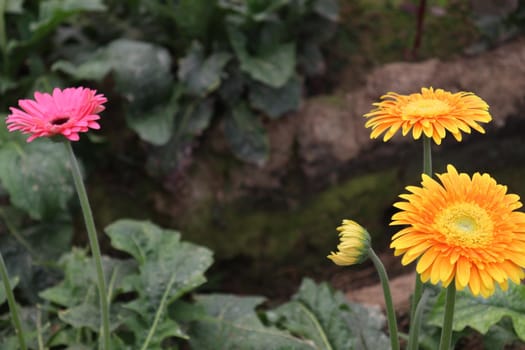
[(464, 230), (431, 112)]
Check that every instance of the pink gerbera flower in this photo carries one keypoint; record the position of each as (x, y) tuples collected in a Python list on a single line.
[(65, 112)]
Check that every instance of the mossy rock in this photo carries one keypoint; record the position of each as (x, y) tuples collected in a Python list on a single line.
[(274, 233)]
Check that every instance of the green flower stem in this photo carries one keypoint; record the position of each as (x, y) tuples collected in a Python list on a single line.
[(415, 324), (391, 314), (427, 156), (418, 289), (446, 332), (12, 305), (93, 241), (3, 36)]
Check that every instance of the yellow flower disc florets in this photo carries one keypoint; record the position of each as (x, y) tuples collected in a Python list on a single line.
[(431, 112), (464, 230)]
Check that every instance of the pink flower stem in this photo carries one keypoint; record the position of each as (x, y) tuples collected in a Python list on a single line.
[(93, 241)]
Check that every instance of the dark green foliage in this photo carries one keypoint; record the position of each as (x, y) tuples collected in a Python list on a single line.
[(501, 317), (326, 318)]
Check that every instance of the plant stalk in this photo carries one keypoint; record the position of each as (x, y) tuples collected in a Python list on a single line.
[(415, 324), (446, 332), (12, 305), (418, 288), (93, 241), (3, 36), (391, 314)]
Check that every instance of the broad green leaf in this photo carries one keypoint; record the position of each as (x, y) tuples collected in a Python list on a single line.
[(14, 6), (79, 283), (49, 239), (246, 135), (142, 74), (481, 314), (195, 118), (90, 70), (37, 176), (141, 320), (156, 124), (230, 322), (53, 12), (7, 84), (193, 17), (142, 71), (31, 252), (326, 318), (168, 268), (87, 315), (328, 9), (13, 282), (276, 102), (499, 335), (273, 67), (202, 75), (162, 257)]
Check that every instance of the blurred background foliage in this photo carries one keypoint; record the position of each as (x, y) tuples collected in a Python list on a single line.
[(180, 74)]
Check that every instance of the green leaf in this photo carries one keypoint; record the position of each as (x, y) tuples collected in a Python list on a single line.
[(246, 135), (14, 6), (500, 335), (91, 70), (168, 268), (36, 176), (328, 9), (273, 67), (230, 322), (142, 74), (156, 124), (195, 119), (481, 314), (161, 256), (79, 283), (53, 12), (194, 17), (325, 317), (87, 315), (142, 71), (276, 102), (13, 282), (202, 75)]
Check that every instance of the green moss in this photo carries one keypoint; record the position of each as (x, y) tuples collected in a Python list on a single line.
[(310, 227)]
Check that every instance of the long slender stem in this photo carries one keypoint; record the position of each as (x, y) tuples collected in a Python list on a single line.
[(93, 241), (12, 305), (391, 314), (415, 324), (448, 318), (427, 156), (418, 288), (3, 35)]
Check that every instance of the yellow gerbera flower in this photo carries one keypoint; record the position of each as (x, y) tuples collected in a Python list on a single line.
[(431, 112), (354, 246), (464, 230)]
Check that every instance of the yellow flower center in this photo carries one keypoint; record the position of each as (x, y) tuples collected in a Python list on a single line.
[(465, 224), (425, 108)]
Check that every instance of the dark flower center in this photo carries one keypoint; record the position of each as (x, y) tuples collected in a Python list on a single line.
[(59, 121)]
